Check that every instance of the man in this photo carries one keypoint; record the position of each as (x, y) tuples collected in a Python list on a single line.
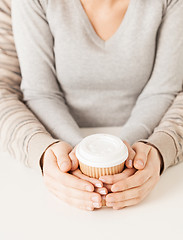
[(25, 138)]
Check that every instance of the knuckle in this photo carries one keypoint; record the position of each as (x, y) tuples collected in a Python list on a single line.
[(132, 154), (134, 146)]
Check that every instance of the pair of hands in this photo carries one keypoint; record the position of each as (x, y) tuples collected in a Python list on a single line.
[(64, 179)]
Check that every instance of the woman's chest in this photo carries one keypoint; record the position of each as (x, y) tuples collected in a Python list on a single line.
[(85, 61), (105, 17)]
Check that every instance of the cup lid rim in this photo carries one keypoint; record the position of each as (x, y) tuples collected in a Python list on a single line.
[(85, 157)]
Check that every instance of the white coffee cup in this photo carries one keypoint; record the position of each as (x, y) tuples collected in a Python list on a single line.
[(101, 154)]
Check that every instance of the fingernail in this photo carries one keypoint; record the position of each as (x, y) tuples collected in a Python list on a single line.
[(130, 163), (114, 189), (140, 163), (89, 188), (95, 199), (96, 205), (109, 204), (101, 179), (103, 192), (98, 185)]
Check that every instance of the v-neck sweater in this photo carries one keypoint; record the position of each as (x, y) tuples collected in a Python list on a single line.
[(72, 78)]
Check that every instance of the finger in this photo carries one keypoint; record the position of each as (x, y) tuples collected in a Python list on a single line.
[(64, 163), (75, 202), (131, 155), (136, 192), (74, 160), (139, 196), (140, 177), (102, 191), (120, 205), (142, 151), (94, 181), (72, 193), (51, 169), (108, 187), (111, 179), (63, 160)]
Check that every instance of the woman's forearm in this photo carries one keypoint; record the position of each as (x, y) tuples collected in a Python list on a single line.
[(42, 92), (166, 78)]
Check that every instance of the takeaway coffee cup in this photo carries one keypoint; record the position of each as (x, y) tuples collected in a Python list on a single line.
[(101, 154)]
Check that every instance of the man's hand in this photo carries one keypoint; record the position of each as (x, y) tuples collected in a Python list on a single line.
[(133, 189), (76, 190)]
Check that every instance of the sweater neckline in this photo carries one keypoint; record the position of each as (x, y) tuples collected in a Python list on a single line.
[(89, 27)]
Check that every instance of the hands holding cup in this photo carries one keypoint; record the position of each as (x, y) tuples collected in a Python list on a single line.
[(139, 178), (78, 190), (63, 177)]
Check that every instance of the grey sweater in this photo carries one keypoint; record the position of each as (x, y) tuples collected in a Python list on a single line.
[(72, 78)]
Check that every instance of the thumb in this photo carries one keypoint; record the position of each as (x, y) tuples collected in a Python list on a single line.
[(131, 155), (61, 152), (142, 151), (74, 160), (64, 163)]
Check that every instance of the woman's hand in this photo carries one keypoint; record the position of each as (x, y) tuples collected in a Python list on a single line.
[(133, 189), (69, 188), (97, 183), (141, 151)]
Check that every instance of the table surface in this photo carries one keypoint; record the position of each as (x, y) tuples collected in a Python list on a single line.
[(29, 212)]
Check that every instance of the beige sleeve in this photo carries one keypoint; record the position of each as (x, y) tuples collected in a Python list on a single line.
[(168, 136), (21, 134)]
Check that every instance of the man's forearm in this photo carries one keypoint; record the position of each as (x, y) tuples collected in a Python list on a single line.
[(168, 136), (21, 134)]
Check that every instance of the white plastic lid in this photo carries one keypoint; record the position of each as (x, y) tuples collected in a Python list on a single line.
[(101, 150)]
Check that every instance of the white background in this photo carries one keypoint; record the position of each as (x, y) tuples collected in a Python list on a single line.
[(29, 212)]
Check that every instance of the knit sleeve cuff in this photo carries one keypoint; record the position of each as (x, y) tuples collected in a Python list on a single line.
[(38, 143), (166, 146)]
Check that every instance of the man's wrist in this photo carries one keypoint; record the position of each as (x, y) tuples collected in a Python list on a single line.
[(160, 157), (41, 162)]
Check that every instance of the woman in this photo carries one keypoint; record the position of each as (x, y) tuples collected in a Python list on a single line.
[(151, 55)]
